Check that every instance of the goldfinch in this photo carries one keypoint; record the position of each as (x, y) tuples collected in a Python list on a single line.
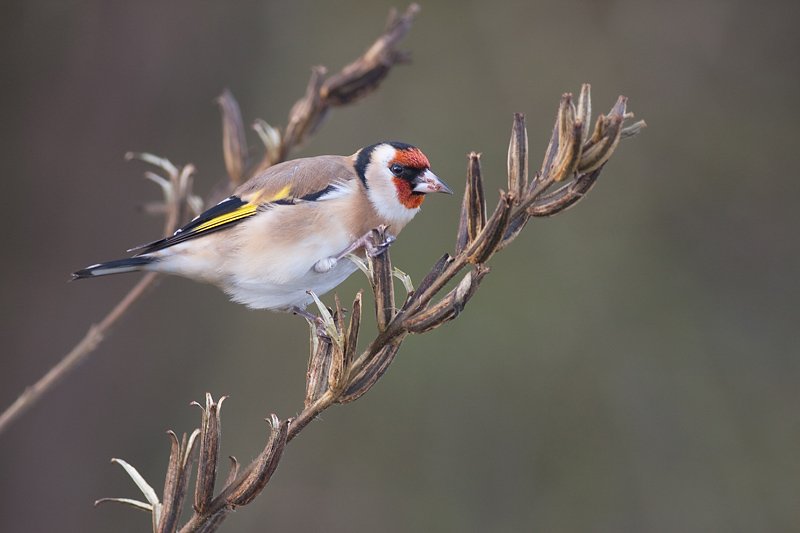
[(285, 231)]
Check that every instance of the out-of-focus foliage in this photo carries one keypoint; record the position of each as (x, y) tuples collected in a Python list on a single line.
[(647, 382)]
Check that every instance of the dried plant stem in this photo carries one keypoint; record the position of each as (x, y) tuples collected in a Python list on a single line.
[(96, 333), (77, 355)]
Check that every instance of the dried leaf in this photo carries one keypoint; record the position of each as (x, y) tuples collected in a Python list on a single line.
[(271, 138), (148, 491), (234, 143), (328, 321), (136, 504), (405, 279), (160, 162)]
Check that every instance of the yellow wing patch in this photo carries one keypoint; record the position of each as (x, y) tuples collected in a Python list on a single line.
[(222, 215), (240, 213), (264, 198), (243, 211)]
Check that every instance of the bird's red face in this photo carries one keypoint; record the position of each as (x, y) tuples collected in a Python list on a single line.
[(412, 177), (396, 176)]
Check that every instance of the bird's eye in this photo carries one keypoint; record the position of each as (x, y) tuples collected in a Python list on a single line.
[(396, 169)]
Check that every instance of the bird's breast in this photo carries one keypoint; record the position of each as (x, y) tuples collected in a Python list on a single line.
[(271, 257)]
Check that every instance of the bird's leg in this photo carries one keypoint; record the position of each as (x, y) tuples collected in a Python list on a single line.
[(317, 321), (366, 241)]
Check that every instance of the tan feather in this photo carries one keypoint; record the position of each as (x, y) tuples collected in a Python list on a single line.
[(302, 176)]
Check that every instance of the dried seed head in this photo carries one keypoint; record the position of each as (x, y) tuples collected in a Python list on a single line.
[(177, 478), (565, 197), (487, 242), (569, 142), (371, 372), (351, 339), (319, 365), (473, 206), (264, 466), (306, 114), (363, 75), (271, 138), (210, 436), (450, 306), (234, 143), (518, 157), (633, 129), (382, 280), (600, 151)]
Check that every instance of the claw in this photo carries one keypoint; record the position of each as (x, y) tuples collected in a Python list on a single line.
[(376, 249), (367, 242), (373, 250)]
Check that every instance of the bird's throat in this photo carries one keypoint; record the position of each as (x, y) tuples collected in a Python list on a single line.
[(406, 195)]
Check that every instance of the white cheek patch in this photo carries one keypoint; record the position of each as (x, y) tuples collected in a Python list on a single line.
[(382, 191), (389, 207)]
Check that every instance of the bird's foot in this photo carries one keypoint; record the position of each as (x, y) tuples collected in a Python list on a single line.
[(366, 241), (370, 243)]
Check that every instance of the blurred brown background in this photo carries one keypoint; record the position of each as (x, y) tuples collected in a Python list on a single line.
[(631, 365)]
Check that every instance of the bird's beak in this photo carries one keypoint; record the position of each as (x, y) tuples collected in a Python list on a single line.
[(429, 182)]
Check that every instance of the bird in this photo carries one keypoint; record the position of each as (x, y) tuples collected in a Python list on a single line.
[(282, 235)]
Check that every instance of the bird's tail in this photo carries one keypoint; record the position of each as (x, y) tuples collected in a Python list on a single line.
[(132, 264)]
